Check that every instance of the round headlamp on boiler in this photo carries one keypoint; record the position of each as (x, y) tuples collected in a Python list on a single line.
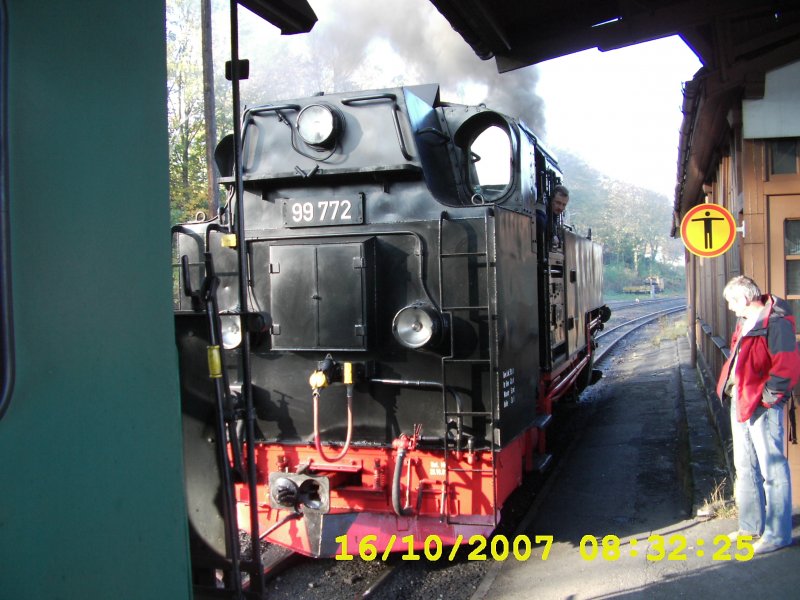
[(418, 326), (319, 126)]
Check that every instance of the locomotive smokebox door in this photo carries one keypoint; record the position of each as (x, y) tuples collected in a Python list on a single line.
[(318, 296)]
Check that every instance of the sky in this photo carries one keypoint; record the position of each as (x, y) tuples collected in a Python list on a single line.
[(618, 110)]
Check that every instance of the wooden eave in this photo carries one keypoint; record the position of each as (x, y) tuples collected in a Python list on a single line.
[(742, 65), (517, 34)]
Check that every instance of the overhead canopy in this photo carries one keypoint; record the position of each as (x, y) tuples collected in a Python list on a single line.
[(738, 42), (290, 16), (517, 34), (745, 50)]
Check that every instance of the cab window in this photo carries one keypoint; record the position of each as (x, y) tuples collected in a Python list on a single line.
[(490, 164)]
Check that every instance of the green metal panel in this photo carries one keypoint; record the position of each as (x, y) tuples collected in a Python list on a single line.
[(91, 476)]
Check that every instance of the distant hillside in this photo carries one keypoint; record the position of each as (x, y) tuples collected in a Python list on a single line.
[(631, 222)]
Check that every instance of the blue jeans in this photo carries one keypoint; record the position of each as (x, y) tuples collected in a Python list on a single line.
[(763, 491)]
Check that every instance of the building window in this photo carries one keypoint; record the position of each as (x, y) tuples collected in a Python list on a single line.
[(791, 250), (783, 157)]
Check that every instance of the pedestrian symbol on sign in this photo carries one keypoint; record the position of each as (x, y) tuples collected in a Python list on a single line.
[(707, 229)]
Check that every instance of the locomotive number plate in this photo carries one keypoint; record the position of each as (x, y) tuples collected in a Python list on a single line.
[(316, 213)]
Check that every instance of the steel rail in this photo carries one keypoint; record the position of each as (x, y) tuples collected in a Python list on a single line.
[(646, 319)]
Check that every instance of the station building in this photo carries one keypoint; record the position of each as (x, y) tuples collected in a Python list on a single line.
[(740, 148)]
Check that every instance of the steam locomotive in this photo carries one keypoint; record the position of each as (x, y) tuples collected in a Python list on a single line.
[(373, 331)]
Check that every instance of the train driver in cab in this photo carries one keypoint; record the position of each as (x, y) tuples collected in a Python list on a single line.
[(558, 204)]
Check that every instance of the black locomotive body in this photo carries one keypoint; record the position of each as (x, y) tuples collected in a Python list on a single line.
[(402, 329)]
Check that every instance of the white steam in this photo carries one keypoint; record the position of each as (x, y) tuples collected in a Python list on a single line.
[(361, 44)]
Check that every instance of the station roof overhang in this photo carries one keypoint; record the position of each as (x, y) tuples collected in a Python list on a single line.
[(747, 50), (737, 41), (517, 34), (290, 16)]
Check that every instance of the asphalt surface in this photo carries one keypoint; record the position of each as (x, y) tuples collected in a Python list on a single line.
[(642, 472)]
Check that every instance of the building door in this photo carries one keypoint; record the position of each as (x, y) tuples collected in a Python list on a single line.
[(784, 278)]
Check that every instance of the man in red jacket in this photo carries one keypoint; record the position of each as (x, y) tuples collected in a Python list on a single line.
[(758, 377)]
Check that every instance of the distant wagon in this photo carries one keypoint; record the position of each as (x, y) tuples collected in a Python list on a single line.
[(650, 284)]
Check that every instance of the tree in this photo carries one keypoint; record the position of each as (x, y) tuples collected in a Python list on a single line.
[(187, 159), (209, 104), (631, 222)]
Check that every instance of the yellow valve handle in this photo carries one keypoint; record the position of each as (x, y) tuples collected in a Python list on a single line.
[(318, 380), (347, 373)]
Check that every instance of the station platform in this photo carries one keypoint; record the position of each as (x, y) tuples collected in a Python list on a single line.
[(646, 465)]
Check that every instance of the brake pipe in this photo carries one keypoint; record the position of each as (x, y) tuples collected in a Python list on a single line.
[(417, 383), (318, 380), (403, 444), (398, 471)]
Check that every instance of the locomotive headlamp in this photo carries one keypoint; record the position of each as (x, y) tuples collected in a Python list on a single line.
[(231, 331), (417, 326), (319, 125)]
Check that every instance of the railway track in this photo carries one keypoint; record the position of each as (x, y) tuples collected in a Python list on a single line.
[(607, 341), (373, 588), (300, 577), (615, 305)]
